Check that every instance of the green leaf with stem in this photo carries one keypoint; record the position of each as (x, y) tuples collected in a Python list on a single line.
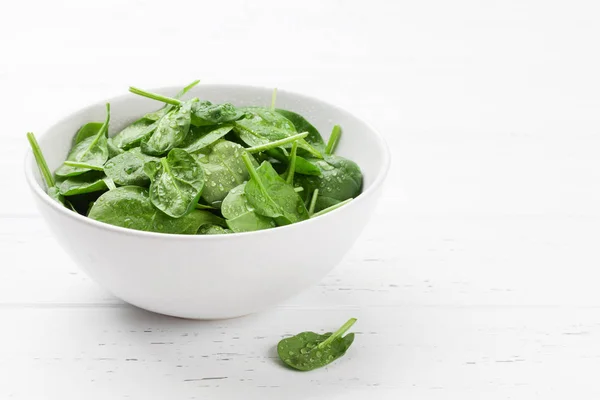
[(336, 133), (307, 351), (276, 143), (92, 151), (270, 195)]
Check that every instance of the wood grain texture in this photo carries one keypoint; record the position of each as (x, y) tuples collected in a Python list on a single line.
[(477, 277)]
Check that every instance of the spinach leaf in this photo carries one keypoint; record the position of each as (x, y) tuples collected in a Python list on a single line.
[(130, 207), (309, 350), (141, 129), (176, 182), (128, 168), (92, 150), (340, 179), (213, 230), (199, 138), (200, 218), (262, 126), (40, 160), (87, 130), (204, 113), (302, 125), (224, 169), (271, 196), (133, 134), (92, 181), (240, 215), (170, 132)]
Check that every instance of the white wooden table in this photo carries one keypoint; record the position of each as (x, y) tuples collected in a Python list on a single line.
[(478, 276)]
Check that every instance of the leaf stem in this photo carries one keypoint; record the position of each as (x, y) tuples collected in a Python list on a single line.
[(40, 160), (292, 166), (298, 189), (307, 146), (333, 139), (337, 333), (273, 99), (204, 207), (83, 165), (187, 88), (154, 96), (313, 202), (331, 208), (110, 184), (254, 175), (276, 143)]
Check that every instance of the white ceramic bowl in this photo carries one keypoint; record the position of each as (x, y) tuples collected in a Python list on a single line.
[(219, 276)]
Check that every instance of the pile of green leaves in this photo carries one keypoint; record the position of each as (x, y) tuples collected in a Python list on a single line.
[(194, 167)]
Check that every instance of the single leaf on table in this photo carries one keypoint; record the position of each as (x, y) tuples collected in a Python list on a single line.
[(176, 182), (340, 179), (271, 196), (92, 181), (261, 126), (224, 169), (88, 130), (302, 125), (170, 132), (309, 350), (92, 150), (240, 214), (200, 137), (128, 168), (130, 207), (213, 230)]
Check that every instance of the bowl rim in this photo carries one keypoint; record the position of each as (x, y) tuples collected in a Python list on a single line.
[(44, 197)]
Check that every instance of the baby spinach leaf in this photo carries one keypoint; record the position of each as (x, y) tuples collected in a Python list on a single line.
[(133, 134), (176, 182), (199, 138), (240, 214), (204, 113), (340, 179), (262, 126), (141, 129), (92, 150), (271, 196), (199, 218), (88, 182), (156, 115), (88, 130), (130, 207), (170, 132), (309, 350), (224, 169), (213, 230), (302, 125), (128, 168)]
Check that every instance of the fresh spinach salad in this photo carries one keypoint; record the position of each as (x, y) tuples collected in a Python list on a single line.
[(194, 167)]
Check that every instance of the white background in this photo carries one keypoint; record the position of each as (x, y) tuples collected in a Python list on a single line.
[(477, 277)]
